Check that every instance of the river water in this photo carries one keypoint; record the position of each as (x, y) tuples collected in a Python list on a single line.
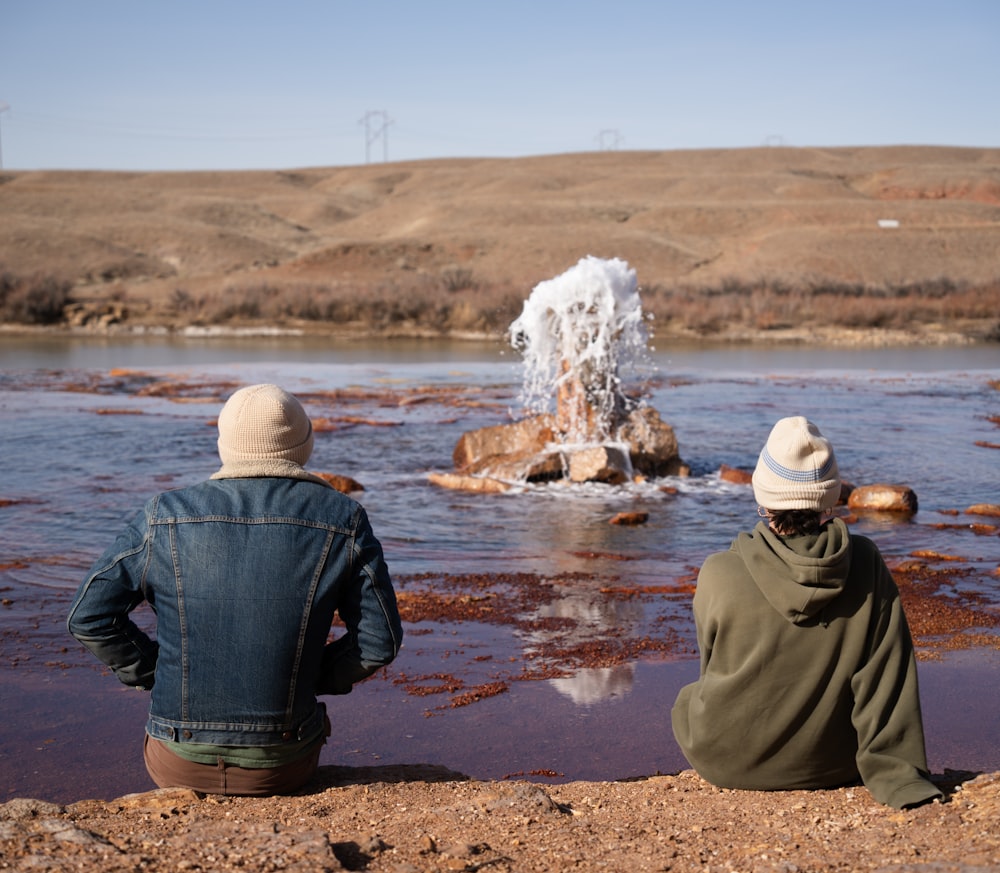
[(91, 428)]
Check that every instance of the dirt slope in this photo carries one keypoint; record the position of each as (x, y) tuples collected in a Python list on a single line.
[(697, 217)]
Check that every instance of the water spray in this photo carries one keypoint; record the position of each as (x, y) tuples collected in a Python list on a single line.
[(578, 334)]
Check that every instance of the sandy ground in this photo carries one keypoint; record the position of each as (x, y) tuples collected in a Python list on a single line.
[(407, 819)]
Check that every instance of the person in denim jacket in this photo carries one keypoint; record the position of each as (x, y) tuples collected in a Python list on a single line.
[(245, 573)]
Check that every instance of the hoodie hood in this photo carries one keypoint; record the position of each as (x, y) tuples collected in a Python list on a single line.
[(799, 575)]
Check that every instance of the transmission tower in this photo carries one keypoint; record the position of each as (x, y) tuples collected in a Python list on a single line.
[(376, 123), (608, 140)]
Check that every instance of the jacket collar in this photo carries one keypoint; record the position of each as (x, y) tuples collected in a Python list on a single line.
[(263, 468)]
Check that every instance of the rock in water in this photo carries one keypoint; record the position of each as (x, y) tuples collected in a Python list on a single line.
[(883, 498)]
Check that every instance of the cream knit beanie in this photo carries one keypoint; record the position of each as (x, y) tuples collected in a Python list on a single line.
[(797, 468), (264, 431)]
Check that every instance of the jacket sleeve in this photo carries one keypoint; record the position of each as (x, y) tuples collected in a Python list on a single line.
[(100, 615), (369, 612), (891, 755)]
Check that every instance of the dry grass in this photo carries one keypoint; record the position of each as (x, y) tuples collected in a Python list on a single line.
[(752, 240), (439, 306), (766, 306), (425, 304)]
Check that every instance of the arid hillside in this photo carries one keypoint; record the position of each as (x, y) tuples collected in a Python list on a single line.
[(763, 239)]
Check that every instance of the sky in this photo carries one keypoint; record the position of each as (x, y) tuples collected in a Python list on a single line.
[(259, 84)]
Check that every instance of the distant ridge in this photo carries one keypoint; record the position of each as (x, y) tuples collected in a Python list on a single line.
[(866, 216)]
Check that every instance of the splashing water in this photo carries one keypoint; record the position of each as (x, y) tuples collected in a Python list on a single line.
[(578, 333)]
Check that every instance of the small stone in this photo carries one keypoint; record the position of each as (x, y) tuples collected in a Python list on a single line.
[(163, 800), (735, 475), (26, 807), (372, 845), (459, 482), (991, 509), (460, 850), (520, 796), (629, 518), (343, 484)]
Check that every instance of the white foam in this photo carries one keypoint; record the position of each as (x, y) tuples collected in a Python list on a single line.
[(585, 324)]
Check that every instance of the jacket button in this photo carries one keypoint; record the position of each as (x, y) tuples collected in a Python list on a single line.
[(186, 735), (287, 735)]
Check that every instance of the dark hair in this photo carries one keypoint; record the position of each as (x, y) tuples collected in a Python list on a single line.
[(793, 522)]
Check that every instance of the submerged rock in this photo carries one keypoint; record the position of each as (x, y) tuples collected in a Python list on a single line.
[(344, 484), (458, 482), (883, 498), (652, 444), (608, 464), (991, 509), (533, 450), (629, 518), (735, 475), (523, 439)]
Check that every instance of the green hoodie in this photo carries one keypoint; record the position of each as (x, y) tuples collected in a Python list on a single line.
[(808, 678)]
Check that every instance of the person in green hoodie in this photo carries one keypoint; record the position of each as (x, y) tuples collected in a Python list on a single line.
[(807, 676)]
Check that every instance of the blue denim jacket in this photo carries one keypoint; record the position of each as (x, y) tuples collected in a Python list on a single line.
[(244, 576)]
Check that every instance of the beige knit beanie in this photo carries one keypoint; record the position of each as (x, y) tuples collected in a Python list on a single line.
[(263, 430), (797, 468)]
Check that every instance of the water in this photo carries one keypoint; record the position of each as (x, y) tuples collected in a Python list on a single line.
[(608, 605), (579, 335)]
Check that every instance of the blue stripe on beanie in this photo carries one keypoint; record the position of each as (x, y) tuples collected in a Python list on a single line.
[(796, 475)]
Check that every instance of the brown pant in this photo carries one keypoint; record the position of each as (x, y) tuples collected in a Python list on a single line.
[(172, 771)]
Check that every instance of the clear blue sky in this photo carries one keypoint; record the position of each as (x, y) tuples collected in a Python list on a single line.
[(248, 84)]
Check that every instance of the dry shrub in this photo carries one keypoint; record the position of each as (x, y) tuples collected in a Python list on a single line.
[(456, 300), (455, 279), (774, 304), (418, 304), (36, 299)]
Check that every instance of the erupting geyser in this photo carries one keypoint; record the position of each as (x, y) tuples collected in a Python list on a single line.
[(578, 334)]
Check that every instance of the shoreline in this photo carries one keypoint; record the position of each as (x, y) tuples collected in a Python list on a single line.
[(920, 336), (420, 818)]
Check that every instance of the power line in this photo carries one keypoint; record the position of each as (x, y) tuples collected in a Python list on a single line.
[(375, 131), (100, 128), (3, 108)]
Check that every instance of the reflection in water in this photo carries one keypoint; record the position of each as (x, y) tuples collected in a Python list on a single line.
[(593, 684), (593, 617)]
